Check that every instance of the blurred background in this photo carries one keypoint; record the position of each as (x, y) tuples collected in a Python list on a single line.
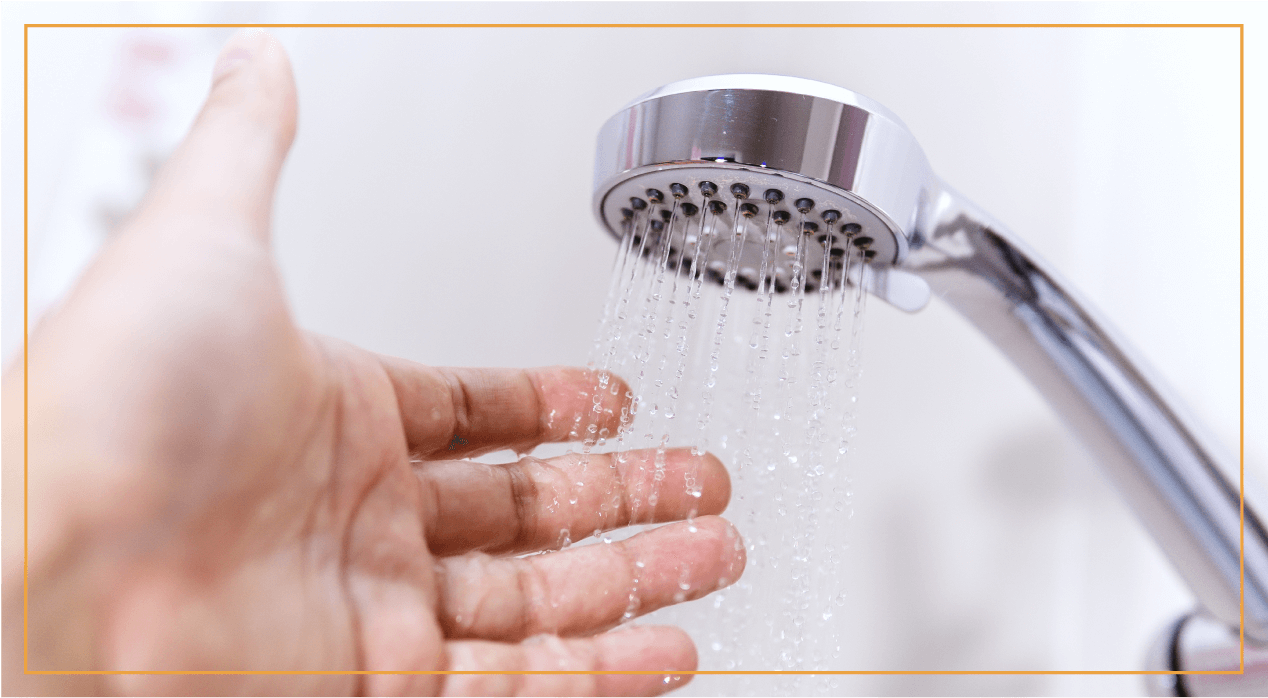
[(437, 206)]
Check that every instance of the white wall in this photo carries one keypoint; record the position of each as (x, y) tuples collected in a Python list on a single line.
[(436, 205)]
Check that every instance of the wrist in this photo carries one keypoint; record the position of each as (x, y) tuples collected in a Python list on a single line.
[(48, 616)]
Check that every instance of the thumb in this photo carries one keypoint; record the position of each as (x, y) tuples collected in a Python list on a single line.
[(221, 179)]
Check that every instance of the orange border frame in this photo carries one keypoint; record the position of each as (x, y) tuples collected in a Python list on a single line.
[(1241, 323)]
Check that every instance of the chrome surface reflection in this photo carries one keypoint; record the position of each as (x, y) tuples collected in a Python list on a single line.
[(1181, 486)]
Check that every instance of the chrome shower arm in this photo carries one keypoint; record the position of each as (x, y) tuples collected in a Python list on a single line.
[(1164, 467)]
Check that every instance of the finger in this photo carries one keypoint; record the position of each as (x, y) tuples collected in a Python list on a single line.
[(649, 648), (588, 589), (527, 505), (458, 412), (221, 178)]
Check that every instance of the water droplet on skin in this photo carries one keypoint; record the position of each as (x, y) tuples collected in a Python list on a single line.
[(679, 597)]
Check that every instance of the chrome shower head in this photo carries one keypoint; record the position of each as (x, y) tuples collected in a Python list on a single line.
[(720, 157), (717, 145)]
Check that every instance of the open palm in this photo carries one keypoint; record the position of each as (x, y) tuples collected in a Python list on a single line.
[(212, 489)]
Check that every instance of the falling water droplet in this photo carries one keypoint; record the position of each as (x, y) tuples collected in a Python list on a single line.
[(739, 339)]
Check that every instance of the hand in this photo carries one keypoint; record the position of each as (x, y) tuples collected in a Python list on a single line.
[(211, 488)]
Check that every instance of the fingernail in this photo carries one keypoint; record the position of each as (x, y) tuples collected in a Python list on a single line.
[(238, 51)]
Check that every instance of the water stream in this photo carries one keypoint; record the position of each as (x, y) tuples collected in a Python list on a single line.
[(759, 367)]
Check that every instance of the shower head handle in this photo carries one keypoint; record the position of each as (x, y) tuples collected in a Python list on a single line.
[(1180, 484)]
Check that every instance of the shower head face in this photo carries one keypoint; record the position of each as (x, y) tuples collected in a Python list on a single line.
[(845, 170)]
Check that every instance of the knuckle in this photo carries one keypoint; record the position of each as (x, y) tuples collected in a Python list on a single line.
[(460, 399), (524, 498), (534, 595)]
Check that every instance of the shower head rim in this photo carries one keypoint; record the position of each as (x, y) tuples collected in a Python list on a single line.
[(771, 82)]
